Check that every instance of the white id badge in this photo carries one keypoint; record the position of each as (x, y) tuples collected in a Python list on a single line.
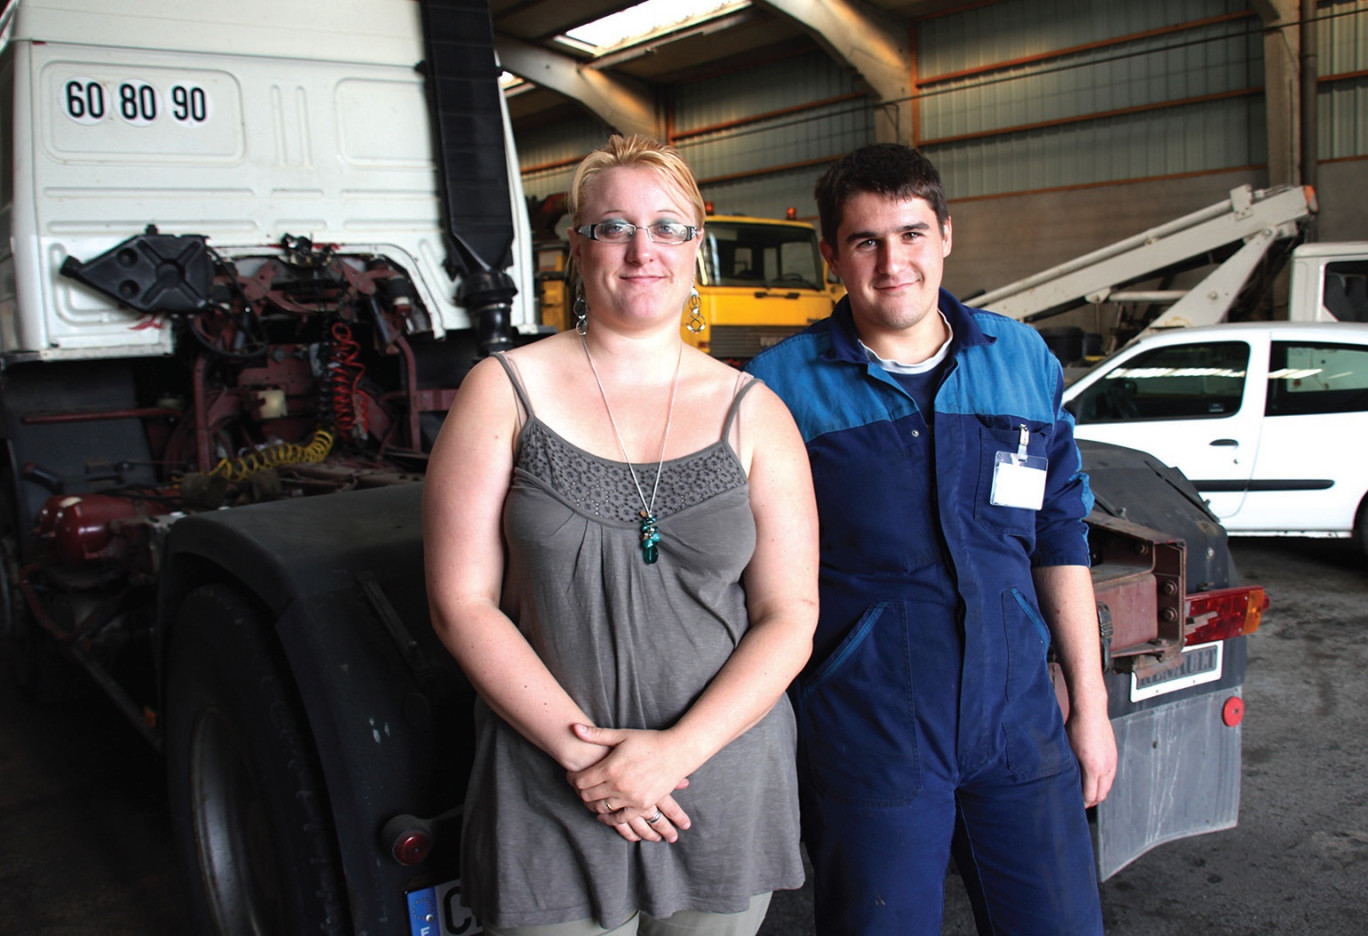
[(1018, 478), (1019, 481)]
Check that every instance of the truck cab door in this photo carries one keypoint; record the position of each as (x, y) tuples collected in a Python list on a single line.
[(1196, 405)]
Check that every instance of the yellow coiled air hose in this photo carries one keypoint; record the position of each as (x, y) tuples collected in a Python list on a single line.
[(276, 456)]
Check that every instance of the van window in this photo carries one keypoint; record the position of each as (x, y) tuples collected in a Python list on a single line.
[(1190, 381), (1306, 378), (1346, 290)]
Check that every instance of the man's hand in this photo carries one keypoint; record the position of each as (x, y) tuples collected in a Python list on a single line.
[(1095, 746), (1066, 600)]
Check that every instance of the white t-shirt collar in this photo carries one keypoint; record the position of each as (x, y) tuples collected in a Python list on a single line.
[(931, 363)]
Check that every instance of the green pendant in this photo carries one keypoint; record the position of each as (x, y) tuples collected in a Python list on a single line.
[(649, 538)]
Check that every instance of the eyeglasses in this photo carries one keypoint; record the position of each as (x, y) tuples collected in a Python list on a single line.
[(620, 232)]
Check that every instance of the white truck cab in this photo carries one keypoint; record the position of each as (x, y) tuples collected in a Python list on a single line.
[(1329, 282), (241, 122)]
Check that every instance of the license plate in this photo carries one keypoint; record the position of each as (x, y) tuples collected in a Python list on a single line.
[(1201, 664), (437, 911)]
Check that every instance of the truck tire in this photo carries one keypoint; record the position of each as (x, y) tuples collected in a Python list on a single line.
[(249, 809), (1361, 526)]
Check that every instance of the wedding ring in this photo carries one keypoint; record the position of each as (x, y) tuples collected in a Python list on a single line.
[(657, 817)]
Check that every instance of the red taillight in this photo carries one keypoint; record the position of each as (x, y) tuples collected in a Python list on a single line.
[(412, 849), (1224, 613), (408, 838)]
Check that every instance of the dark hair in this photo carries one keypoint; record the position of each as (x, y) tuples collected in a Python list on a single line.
[(889, 169)]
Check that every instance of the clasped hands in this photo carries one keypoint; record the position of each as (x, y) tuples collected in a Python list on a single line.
[(630, 788)]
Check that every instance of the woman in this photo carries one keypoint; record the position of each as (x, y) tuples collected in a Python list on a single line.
[(621, 554)]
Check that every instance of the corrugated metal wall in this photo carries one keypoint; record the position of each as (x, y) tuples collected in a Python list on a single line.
[(1342, 63), (549, 155), (810, 111), (1025, 95)]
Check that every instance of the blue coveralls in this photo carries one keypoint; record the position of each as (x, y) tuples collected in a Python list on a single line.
[(927, 717)]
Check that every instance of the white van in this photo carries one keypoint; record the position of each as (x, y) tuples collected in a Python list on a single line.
[(1265, 419)]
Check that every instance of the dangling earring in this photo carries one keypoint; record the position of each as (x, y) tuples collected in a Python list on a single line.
[(581, 315), (695, 324)]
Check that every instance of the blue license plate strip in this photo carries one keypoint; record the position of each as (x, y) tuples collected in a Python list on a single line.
[(437, 911)]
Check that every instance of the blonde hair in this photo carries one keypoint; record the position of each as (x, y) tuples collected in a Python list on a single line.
[(631, 151)]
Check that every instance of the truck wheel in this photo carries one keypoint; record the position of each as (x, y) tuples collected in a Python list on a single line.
[(248, 806), (1361, 526)]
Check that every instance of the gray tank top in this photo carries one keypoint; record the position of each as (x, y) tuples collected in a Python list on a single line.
[(634, 645)]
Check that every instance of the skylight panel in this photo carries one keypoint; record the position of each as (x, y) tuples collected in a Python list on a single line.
[(653, 17)]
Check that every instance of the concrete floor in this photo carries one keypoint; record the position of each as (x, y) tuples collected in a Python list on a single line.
[(84, 838)]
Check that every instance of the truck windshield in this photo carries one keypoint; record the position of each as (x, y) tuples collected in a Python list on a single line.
[(748, 253)]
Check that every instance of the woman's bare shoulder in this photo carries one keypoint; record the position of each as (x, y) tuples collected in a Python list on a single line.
[(551, 349)]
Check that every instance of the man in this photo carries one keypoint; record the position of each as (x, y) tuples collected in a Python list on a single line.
[(954, 552)]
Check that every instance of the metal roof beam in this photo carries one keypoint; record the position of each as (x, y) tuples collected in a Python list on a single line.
[(877, 49), (627, 106)]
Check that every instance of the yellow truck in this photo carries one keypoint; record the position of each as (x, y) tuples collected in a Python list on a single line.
[(759, 281)]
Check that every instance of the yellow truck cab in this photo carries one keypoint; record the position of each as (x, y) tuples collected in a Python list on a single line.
[(759, 281)]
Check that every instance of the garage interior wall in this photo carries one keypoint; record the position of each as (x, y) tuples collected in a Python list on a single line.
[(1059, 125)]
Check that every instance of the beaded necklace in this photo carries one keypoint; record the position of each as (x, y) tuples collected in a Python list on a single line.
[(650, 536)]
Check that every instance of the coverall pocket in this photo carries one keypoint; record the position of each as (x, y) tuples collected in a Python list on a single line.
[(857, 718), (1037, 745), (1004, 435)]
